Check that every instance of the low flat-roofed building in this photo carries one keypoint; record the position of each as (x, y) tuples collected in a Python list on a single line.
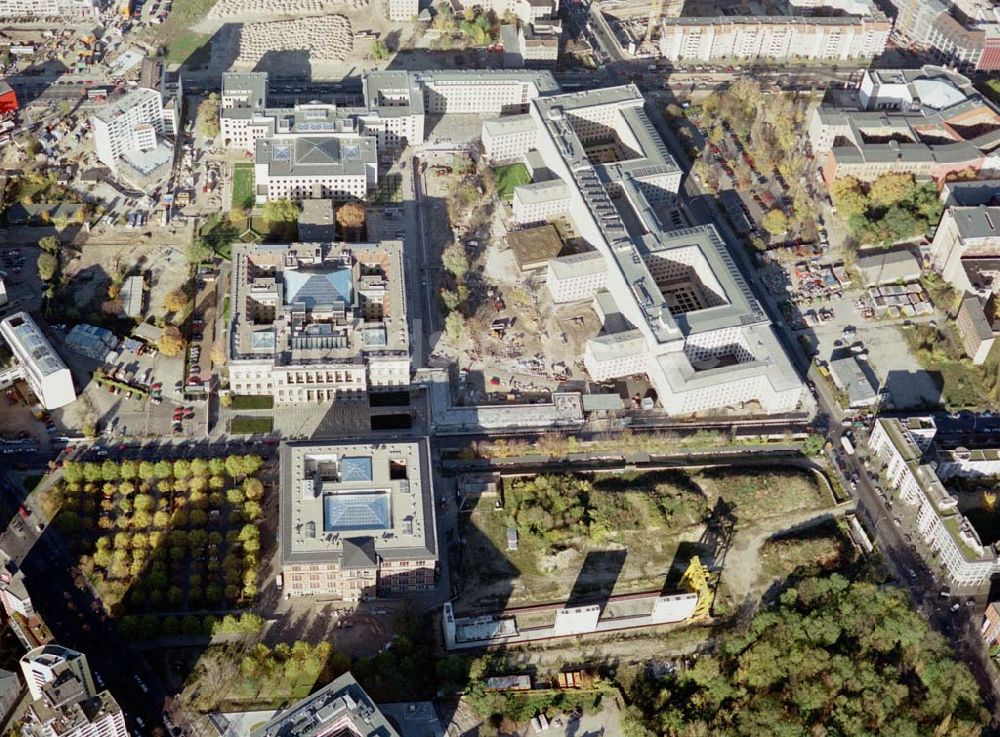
[(131, 296), (534, 247), (317, 221), (357, 519), (888, 268), (49, 378), (146, 169), (339, 709), (147, 332), (91, 341), (314, 321), (851, 378)]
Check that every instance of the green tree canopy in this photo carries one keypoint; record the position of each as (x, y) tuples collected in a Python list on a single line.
[(277, 212), (47, 265), (831, 657)]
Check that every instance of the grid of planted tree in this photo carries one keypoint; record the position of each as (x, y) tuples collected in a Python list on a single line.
[(166, 536)]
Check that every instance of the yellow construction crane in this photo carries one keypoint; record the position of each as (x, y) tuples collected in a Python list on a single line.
[(695, 580)]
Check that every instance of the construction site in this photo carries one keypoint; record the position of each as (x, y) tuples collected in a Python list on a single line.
[(634, 24)]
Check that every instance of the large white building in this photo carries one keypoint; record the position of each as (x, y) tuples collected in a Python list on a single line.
[(37, 362), (325, 151), (835, 38), (129, 132), (55, 9), (674, 306), (312, 322)]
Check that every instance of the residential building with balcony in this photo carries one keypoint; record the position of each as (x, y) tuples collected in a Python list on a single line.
[(906, 447)]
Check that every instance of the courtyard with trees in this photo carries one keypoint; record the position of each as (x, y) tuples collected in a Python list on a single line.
[(892, 208), (165, 536)]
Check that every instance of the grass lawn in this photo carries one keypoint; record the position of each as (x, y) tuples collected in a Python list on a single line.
[(510, 176), (219, 235), (183, 45), (991, 88), (190, 48), (253, 401), (242, 425), (243, 185)]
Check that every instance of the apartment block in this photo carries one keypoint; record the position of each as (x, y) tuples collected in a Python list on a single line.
[(673, 304), (357, 520), (340, 708), (47, 664), (52, 9), (403, 10), (130, 133), (65, 703), (13, 593), (37, 361), (834, 38), (949, 34), (974, 330), (966, 248), (314, 322), (906, 447)]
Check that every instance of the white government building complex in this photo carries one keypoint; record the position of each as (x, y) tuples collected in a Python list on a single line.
[(325, 151), (674, 305)]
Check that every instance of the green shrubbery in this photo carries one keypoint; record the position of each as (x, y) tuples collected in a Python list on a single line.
[(555, 509)]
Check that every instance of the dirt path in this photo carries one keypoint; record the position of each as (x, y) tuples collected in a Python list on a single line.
[(741, 572)]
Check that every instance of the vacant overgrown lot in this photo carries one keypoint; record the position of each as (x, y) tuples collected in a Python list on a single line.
[(595, 534)]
